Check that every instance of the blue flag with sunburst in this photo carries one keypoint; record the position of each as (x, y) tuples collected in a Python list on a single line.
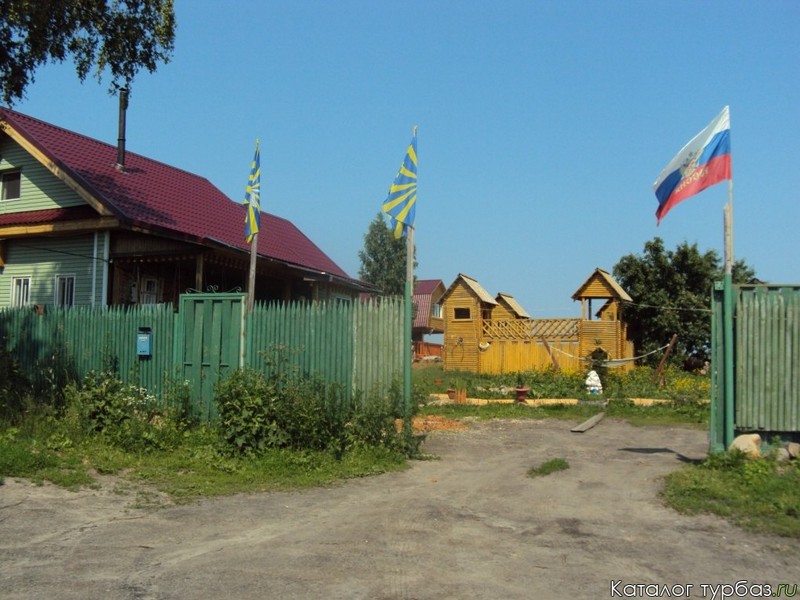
[(401, 202), (252, 197)]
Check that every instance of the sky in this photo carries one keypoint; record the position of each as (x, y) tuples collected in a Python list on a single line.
[(542, 125)]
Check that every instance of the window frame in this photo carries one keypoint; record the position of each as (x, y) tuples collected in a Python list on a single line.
[(4, 186), (456, 310), (149, 294), (15, 296), (57, 291)]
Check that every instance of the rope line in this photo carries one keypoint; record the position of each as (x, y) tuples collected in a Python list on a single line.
[(614, 361)]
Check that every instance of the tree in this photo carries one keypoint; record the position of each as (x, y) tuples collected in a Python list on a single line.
[(122, 36), (671, 292), (383, 259)]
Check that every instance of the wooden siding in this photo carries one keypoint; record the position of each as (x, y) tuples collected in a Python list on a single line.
[(42, 259), (597, 288), (509, 356), (502, 311), (605, 334), (461, 336), (40, 189)]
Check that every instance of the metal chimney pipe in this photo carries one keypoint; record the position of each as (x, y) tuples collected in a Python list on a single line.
[(123, 107)]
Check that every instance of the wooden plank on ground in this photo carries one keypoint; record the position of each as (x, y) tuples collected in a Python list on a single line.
[(589, 423)]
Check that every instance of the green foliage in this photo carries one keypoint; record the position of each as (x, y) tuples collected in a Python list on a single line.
[(14, 387), (246, 419), (549, 466), (288, 411), (128, 416), (122, 37), (640, 382), (383, 258), (110, 427), (758, 494), (671, 292)]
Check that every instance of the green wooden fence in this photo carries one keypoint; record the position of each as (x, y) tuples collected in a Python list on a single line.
[(67, 343), (766, 369), (356, 345)]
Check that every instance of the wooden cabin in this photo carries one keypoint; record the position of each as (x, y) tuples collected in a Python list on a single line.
[(486, 334)]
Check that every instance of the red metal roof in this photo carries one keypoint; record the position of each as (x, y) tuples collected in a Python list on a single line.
[(33, 217), (159, 197), (426, 286)]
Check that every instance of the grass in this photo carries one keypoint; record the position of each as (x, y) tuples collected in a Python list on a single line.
[(549, 466), (672, 414), (193, 470), (759, 495)]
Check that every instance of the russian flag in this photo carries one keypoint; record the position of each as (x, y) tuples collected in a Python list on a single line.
[(701, 163)]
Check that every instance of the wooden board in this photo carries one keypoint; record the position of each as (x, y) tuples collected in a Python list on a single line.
[(589, 423)]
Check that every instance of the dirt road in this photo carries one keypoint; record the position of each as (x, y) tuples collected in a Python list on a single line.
[(469, 525)]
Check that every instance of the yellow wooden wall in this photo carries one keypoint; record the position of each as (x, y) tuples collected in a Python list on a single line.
[(510, 356), (461, 337)]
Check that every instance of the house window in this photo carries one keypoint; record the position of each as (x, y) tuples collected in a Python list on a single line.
[(149, 293), (10, 185), (436, 311), (20, 291), (65, 290), (461, 313)]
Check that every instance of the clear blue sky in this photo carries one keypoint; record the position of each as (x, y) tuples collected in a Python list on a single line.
[(542, 125)]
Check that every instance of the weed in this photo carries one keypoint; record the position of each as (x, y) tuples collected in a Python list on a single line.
[(549, 466)]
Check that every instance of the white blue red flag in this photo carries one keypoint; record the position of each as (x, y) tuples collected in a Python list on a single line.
[(701, 163)]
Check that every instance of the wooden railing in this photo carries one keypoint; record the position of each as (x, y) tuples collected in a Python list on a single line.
[(556, 330)]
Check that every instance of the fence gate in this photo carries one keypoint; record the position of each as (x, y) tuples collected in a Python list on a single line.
[(208, 343), (766, 362)]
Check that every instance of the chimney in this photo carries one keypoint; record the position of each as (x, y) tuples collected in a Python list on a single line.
[(123, 107)]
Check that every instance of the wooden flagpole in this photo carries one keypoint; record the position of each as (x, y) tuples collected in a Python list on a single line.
[(407, 344), (727, 312)]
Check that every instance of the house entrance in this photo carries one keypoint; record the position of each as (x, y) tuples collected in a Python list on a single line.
[(209, 342)]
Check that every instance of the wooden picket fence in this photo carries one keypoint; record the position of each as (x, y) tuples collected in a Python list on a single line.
[(358, 346)]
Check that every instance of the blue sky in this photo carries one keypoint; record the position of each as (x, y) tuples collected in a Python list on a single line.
[(542, 125)]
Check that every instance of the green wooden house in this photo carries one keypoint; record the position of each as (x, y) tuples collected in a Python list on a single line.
[(83, 222)]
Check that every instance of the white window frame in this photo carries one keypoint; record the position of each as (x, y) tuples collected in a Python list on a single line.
[(16, 300), (149, 290), (3, 188), (58, 300)]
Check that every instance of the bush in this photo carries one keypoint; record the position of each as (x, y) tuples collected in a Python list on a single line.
[(256, 414), (127, 416)]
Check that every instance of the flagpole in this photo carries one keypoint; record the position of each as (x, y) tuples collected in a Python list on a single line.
[(407, 343), (727, 312), (408, 322), (251, 280)]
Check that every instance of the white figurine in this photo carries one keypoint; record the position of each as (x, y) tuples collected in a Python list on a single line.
[(593, 383)]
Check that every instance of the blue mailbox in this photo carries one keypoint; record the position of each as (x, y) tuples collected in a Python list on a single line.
[(144, 342)]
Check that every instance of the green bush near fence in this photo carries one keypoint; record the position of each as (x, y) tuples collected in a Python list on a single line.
[(124, 415), (257, 413)]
